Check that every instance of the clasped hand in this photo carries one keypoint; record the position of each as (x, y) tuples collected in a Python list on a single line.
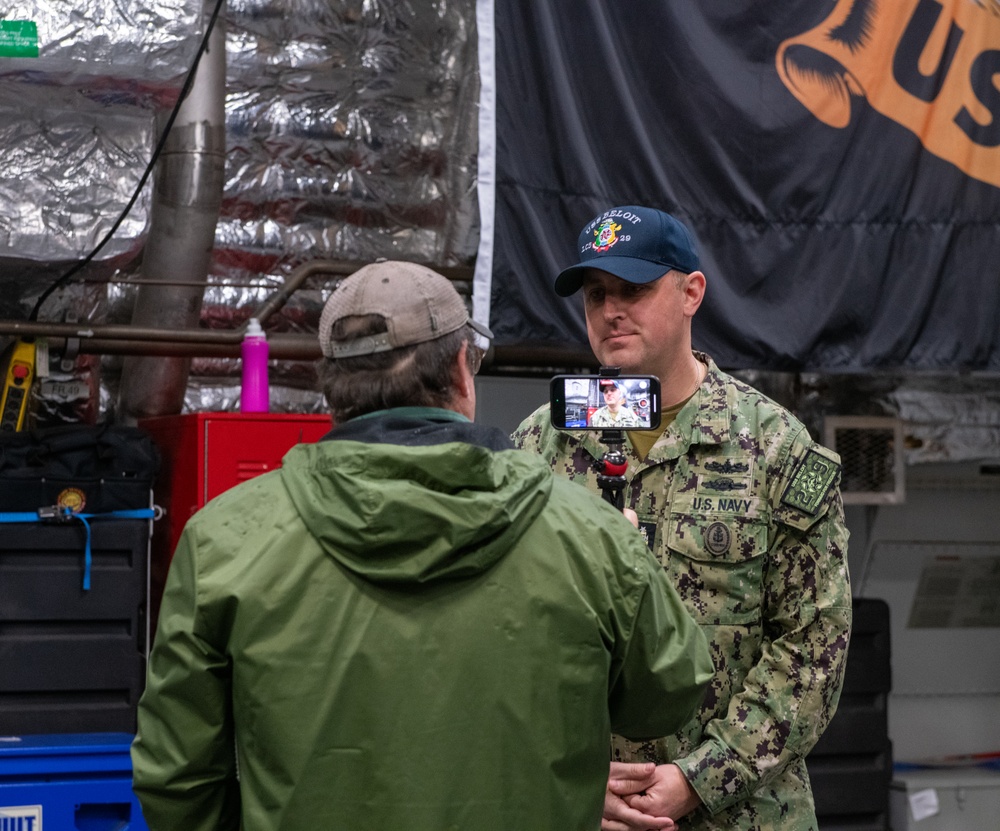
[(646, 797)]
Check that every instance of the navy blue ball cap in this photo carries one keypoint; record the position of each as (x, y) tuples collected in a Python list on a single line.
[(634, 243)]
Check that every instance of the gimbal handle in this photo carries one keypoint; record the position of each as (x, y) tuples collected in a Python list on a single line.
[(611, 469), (613, 464)]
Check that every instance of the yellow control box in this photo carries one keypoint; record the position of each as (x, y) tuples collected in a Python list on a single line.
[(18, 378)]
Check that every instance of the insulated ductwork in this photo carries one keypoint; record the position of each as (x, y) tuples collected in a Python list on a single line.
[(187, 195)]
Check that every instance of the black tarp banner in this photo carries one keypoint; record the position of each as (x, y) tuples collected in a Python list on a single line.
[(838, 163)]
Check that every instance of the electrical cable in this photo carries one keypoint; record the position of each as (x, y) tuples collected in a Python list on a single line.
[(185, 90)]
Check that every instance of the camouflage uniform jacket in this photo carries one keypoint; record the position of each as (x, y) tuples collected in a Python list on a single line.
[(744, 512), (603, 417)]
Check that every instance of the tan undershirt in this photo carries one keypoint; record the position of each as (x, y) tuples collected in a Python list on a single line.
[(643, 440)]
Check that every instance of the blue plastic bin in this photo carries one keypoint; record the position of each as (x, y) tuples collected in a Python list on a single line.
[(62, 782)]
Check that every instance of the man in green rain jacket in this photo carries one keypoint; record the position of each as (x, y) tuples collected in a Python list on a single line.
[(410, 625)]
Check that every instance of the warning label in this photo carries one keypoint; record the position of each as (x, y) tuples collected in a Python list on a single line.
[(18, 39)]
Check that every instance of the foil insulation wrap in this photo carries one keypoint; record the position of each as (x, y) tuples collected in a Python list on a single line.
[(949, 420), (351, 131), (351, 134), (71, 165), (151, 43), (944, 417), (81, 84)]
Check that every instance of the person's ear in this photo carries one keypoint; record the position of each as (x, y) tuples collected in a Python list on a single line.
[(693, 289), (461, 376)]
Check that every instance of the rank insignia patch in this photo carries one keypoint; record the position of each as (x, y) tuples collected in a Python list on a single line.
[(718, 538), (811, 482)]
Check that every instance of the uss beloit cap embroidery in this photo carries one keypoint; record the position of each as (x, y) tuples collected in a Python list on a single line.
[(633, 243)]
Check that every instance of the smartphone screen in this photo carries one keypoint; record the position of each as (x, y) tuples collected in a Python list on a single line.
[(601, 402)]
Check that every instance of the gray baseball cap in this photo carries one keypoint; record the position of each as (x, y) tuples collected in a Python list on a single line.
[(418, 305)]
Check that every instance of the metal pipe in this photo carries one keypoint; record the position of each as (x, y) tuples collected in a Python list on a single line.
[(296, 279), (283, 347), (205, 343), (132, 339), (112, 332), (187, 196)]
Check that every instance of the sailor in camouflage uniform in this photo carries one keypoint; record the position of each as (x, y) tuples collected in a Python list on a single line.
[(744, 511), (616, 413)]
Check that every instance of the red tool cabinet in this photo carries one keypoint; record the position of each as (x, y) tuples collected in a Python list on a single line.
[(205, 454)]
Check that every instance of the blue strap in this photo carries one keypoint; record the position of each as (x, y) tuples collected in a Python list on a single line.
[(60, 514), (86, 553)]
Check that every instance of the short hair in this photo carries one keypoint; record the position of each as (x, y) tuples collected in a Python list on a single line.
[(411, 376)]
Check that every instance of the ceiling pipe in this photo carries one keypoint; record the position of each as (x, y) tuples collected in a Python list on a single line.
[(186, 343), (297, 278), (225, 343), (187, 195), (132, 339), (282, 347), (87, 332)]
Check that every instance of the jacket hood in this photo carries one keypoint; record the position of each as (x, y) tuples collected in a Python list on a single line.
[(415, 496)]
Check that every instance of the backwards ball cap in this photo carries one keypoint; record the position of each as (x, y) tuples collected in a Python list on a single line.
[(418, 305), (637, 244)]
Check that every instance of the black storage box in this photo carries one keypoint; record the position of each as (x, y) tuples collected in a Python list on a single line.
[(90, 469), (851, 765), (72, 659)]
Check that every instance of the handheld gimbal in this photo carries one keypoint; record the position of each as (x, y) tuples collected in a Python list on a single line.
[(612, 465)]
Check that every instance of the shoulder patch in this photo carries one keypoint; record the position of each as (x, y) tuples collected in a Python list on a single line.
[(811, 483)]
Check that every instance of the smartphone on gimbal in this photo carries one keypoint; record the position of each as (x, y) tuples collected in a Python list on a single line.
[(605, 402)]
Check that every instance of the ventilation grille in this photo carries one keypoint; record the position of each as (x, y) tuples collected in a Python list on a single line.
[(871, 452)]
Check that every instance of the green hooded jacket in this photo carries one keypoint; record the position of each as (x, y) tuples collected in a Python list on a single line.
[(410, 625)]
